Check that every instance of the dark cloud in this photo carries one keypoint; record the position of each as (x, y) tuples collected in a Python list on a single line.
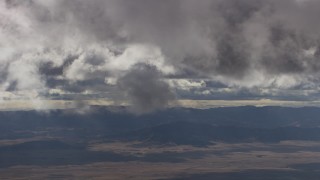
[(286, 52), (232, 57), (49, 69), (237, 12), (12, 86), (3, 72), (95, 60), (144, 88)]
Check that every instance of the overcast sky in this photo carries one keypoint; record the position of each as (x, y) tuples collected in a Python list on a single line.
[(152, 53)]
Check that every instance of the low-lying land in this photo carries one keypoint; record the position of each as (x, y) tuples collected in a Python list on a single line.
[(177, 144), (124, 160)]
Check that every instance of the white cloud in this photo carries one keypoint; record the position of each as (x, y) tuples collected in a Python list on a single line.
[(186, 84)]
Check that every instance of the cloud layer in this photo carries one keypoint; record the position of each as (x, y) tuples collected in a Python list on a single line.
[(150, 51)]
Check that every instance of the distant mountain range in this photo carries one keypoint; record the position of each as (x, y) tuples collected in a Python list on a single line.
[(178, 125)]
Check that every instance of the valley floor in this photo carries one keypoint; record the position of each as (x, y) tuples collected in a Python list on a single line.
[(284, 160)]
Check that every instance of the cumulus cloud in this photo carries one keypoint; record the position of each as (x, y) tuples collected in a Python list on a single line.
[(267, 48)]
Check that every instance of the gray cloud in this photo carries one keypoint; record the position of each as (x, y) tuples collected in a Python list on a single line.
[(49, 69), (75, 46), (145, 89)]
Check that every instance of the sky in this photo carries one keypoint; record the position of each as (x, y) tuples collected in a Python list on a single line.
[(153, 54)]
